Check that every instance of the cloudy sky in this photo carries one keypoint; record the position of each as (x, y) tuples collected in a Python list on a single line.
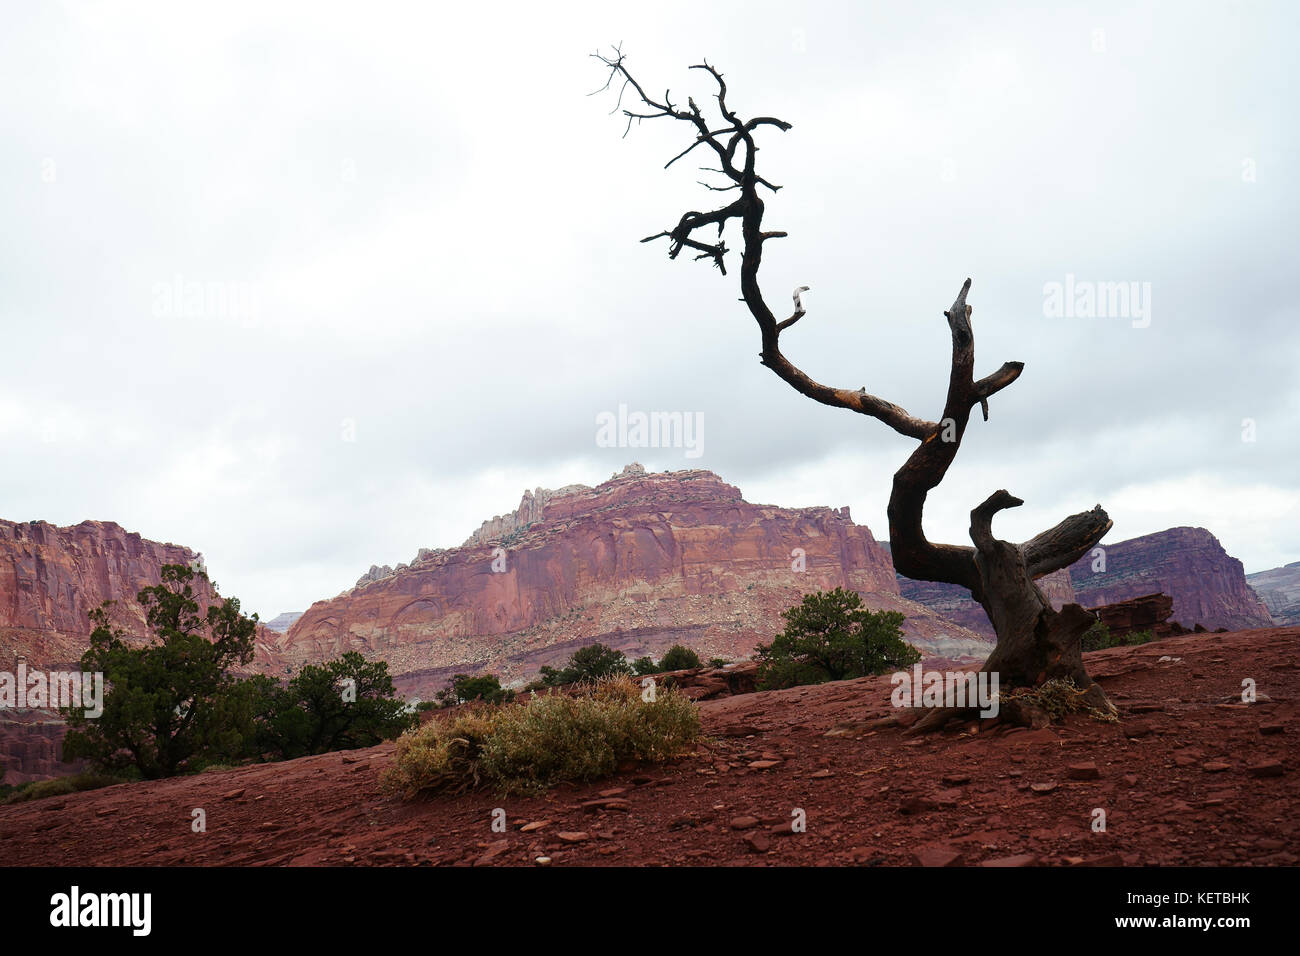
[(309, 286)]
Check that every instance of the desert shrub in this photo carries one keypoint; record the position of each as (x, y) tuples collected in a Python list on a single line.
[(1136, 638), (343, 704), (530, 746), (643, 666), (462, 689), (61, 786), (1099, 636), (168, 704), (832, 636), (593, 662), (718, 662), (679, 658)]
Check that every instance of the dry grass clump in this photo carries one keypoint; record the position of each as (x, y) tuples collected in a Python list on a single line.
[(530, 746), (1057, 698)]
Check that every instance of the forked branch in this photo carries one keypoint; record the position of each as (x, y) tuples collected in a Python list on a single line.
[(731, 141)]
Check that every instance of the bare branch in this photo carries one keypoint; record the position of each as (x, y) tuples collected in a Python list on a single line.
[(1035, 641), (799, 310), (1061, 546), (981, 518)]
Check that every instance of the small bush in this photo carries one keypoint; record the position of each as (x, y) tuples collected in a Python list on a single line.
[(679, 658), (593, 662), (462, 689), (830, 636), (643, 666), (528, 747), (1098, 637), (1136, 638), (61, 786)]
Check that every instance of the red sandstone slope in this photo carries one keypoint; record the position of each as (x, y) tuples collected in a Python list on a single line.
[(639, 562), (1191, 776)]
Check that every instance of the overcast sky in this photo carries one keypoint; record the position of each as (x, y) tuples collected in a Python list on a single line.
[(415, 241)]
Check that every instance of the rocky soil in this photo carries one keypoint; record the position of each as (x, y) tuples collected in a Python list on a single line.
[(1191, 776)]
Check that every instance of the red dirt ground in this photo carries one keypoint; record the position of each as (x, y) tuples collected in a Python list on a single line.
[(1190, 776)]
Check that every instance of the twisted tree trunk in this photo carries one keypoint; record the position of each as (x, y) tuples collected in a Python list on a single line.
[(1035, 643)]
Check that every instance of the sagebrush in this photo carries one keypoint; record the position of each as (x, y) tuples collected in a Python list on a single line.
[(525, 748)]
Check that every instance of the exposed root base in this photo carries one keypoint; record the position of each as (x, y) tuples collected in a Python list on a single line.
[(1014, 711)]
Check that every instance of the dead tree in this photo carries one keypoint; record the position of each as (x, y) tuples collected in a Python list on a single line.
[(1035, 643)]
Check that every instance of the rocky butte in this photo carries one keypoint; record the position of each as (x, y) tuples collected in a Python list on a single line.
[(640, 562), (52, 577), (1208, 585)]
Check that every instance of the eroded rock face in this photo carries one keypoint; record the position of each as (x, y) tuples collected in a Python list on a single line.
[(640, 562), (1150, 612), (50, 579), (1208, 585), (376, 573), (31, 746), (1279, 589)]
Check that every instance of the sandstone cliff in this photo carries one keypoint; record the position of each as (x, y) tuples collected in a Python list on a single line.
[(1208, 585), (1279, 589), (639, 562), (50, 579)]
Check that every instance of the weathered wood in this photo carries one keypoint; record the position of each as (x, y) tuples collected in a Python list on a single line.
[(1035, 642)]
